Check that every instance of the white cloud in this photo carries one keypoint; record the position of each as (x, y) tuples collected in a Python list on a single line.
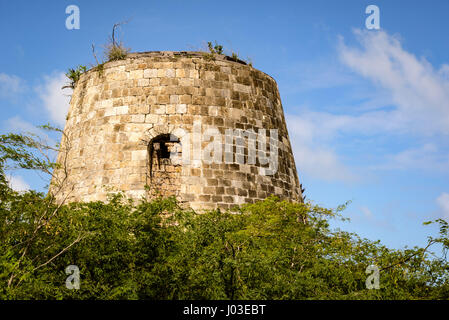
[(55, 99), (444, 71), (443, 203), (18, 124), (419, 93), (409, 98), (318, 74), (312, 156), (10, 85), (424, 157), (366, 212), (17, 183), (366, 216)]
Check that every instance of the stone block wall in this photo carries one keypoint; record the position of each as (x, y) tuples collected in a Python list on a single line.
[(118, 116)]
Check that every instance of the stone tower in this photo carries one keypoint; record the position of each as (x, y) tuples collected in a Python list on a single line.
[(206, 129)]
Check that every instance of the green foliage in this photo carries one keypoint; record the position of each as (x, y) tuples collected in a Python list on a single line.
[(113, 245), (116, 52), (154, 250), (27, 151), (271, 249), (75, 74), (100, 68), (113, 51), (218, 49), (213, 50)]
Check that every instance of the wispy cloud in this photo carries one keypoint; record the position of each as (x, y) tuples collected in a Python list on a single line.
[(366, 215), (17, 183), (407, 98), (366, 212), (323, 73), (18, 125), (418, 92), (424, 157), (443, 203), (10, 86), (55, 99), (313, 157)]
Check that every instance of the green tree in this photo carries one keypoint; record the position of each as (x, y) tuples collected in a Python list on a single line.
[(271, 249)]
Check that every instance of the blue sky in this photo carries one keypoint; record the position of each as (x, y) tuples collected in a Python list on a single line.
[(367, 110)]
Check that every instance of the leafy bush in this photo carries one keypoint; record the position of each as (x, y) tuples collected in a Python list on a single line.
[(265, 251), (75, 74), (114, 52), (271, 249), (218, 49)]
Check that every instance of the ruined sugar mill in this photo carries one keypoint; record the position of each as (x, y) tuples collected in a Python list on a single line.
[(210, 132)]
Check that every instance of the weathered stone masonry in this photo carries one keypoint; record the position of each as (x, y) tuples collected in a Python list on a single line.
[(120, 120)]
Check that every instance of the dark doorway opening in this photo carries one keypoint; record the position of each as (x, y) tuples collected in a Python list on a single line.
[(164, 165)]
